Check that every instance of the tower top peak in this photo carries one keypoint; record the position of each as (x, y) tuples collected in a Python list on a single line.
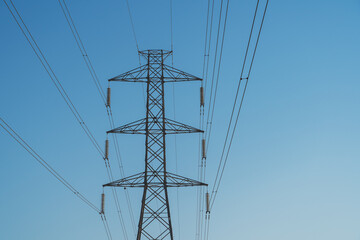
[(158, 53)]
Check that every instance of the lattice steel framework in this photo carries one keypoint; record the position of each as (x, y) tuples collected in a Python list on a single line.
[(155, 179)]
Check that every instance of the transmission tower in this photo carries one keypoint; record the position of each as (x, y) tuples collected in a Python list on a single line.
[(155, 180)]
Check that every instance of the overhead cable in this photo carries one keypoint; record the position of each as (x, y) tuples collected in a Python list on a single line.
[(236, 96), (16, 15), (82, 48), (24, 29), (211, 109), (224, 158), (136, 43), (202, 159), (47, 166), (53, 172), (171, 32), (105, 99), (132, 25)]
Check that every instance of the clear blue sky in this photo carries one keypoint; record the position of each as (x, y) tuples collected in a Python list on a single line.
[(294, 170)]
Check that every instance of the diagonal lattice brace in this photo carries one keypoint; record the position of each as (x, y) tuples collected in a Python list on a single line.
[(172, 74), (139, 127), (138, 74), (172, 180)]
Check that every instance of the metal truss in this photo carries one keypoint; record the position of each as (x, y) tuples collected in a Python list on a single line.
[(163, 71), (155, 180), (156, 126)]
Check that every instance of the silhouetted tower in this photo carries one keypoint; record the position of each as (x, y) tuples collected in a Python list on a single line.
[(155, 126)]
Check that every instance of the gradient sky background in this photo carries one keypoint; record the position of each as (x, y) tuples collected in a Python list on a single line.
[(294, 169)]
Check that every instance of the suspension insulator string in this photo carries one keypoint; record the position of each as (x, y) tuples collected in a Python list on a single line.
[(202, 97), (106, 148), (102, 203), (207, 203), (203, 148), (108, 97)]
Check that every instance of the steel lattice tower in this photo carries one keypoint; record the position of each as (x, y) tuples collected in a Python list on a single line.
[(155, 126)]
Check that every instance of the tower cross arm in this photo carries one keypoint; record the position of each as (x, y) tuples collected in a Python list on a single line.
[(155, 179), (139, 127), (140, 74)]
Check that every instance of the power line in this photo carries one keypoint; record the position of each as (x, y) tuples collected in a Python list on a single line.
[(209, 47), (171, 32), (208, 122), (53, 172), (221, 168), (136, 43), (217, 78), (38, 158), (211, 107), (52, 75), (121, 168), (106, 226), (93, 74), (54, 78), (202, 161), (82, 49), (238, 89), (132, 26)]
